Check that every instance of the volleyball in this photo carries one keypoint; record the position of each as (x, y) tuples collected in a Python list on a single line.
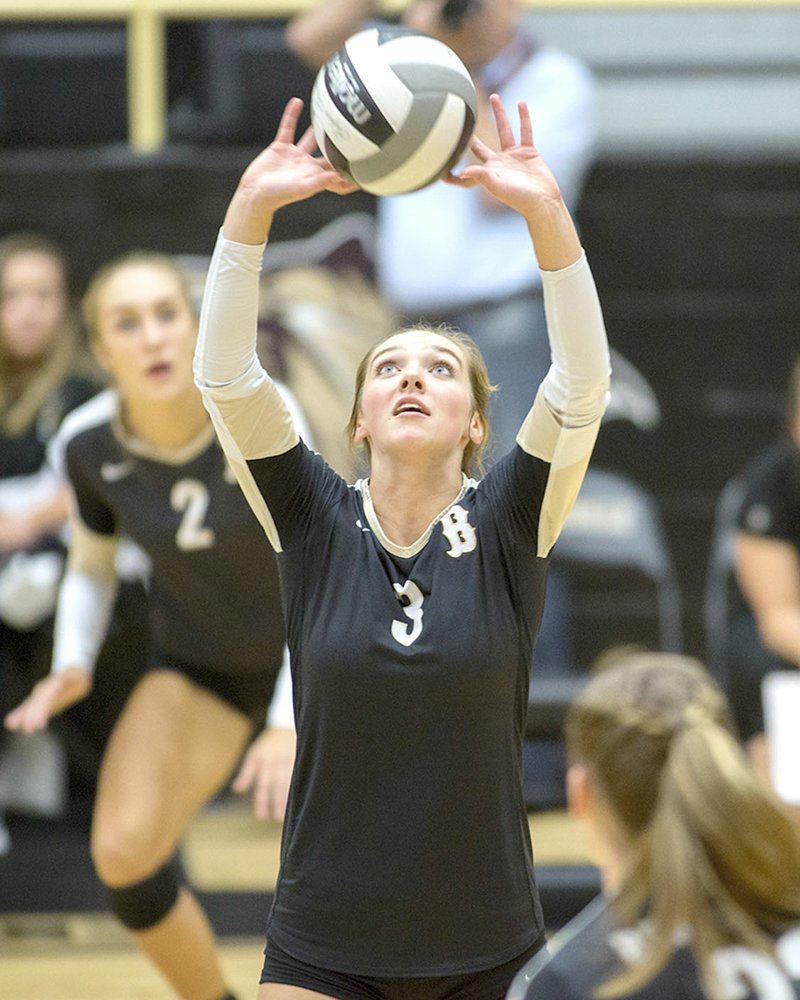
[(393, 109)]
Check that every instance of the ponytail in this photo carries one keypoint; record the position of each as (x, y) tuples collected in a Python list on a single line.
[(712, 850)]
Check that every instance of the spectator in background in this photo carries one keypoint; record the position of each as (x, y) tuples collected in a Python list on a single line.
[(144, 463), (765, 633), (438, 248), (45, 371), (700, 862)]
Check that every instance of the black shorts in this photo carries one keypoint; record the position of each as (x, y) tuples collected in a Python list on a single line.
[(485, 984), (249, 694)]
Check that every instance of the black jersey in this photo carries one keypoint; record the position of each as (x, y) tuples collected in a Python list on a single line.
[(590, 949), (406, 844), (406, 849), (23, 454), (771, 507), (214, 595)]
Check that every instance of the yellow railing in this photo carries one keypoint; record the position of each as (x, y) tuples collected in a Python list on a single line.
[(146, 23)]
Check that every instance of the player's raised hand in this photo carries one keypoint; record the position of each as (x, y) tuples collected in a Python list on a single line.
[(285, 172), (516, 173), (51, 695)]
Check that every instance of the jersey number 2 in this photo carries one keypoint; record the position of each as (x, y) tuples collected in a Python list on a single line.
[(191, 496)]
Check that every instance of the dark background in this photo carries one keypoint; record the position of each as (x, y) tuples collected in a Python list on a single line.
[(694, 254)]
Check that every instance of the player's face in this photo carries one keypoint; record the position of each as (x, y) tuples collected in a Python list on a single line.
[(33, 302), (146, 332), (417, 395)]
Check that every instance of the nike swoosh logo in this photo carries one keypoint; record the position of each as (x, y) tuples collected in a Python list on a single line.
[(112, 472)]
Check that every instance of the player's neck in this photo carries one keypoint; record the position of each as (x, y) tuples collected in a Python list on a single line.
[(167, 424), (407, 500)]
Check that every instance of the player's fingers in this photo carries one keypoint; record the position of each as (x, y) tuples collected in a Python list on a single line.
[(525, 126), (504, 130), (459, 180), (244, 779), (262, 808), (266, 794), (13, 718), (341, 185), (480, 150), (308, 141), (288, 123)]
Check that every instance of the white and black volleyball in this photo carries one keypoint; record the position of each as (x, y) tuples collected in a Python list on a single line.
[(393, 109)]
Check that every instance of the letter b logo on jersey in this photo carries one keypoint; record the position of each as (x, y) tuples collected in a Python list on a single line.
[(458, 532)]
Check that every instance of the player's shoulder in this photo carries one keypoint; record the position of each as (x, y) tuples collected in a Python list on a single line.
[(96, 413)]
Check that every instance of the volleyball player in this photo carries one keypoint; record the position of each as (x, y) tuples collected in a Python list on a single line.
[(700, 861), (413, 600), (144, 463)]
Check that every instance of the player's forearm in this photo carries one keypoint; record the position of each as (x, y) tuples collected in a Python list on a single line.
[(555, 239), (85, 604), (780, 632), (576, 387), (85, 598), (51, 516), (226, 345), (247, 219)]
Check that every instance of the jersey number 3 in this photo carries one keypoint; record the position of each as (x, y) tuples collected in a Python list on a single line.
[(411, 598)]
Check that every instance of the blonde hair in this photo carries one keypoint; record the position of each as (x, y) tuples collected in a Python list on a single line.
[(90, 304), (711, 848), (64, 356), (482, 389)]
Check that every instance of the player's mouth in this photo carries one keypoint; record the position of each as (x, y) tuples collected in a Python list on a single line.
[(160, 371), (408, 404)]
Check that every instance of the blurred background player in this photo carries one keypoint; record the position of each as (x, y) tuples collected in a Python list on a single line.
[(143, 461), (765, 630), (45, 371)]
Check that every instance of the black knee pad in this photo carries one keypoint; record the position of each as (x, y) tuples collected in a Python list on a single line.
[(143, 904)]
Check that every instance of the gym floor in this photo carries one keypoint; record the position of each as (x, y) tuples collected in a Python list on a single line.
[(58, 941)]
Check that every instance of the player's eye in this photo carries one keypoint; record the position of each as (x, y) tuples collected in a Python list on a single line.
[(442, 368), (386, 368), (127, 323)]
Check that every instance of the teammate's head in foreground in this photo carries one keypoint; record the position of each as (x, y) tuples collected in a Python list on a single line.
[(685, 832)]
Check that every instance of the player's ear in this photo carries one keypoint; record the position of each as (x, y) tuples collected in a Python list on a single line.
[(360, 431), (477, 430)]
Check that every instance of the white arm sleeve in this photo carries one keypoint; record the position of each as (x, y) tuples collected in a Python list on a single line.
[(576, 387), (561, 427), (281, 708), (249, 412), (85, 599)]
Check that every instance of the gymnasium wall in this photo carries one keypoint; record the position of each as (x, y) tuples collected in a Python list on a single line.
[(690, 215)]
